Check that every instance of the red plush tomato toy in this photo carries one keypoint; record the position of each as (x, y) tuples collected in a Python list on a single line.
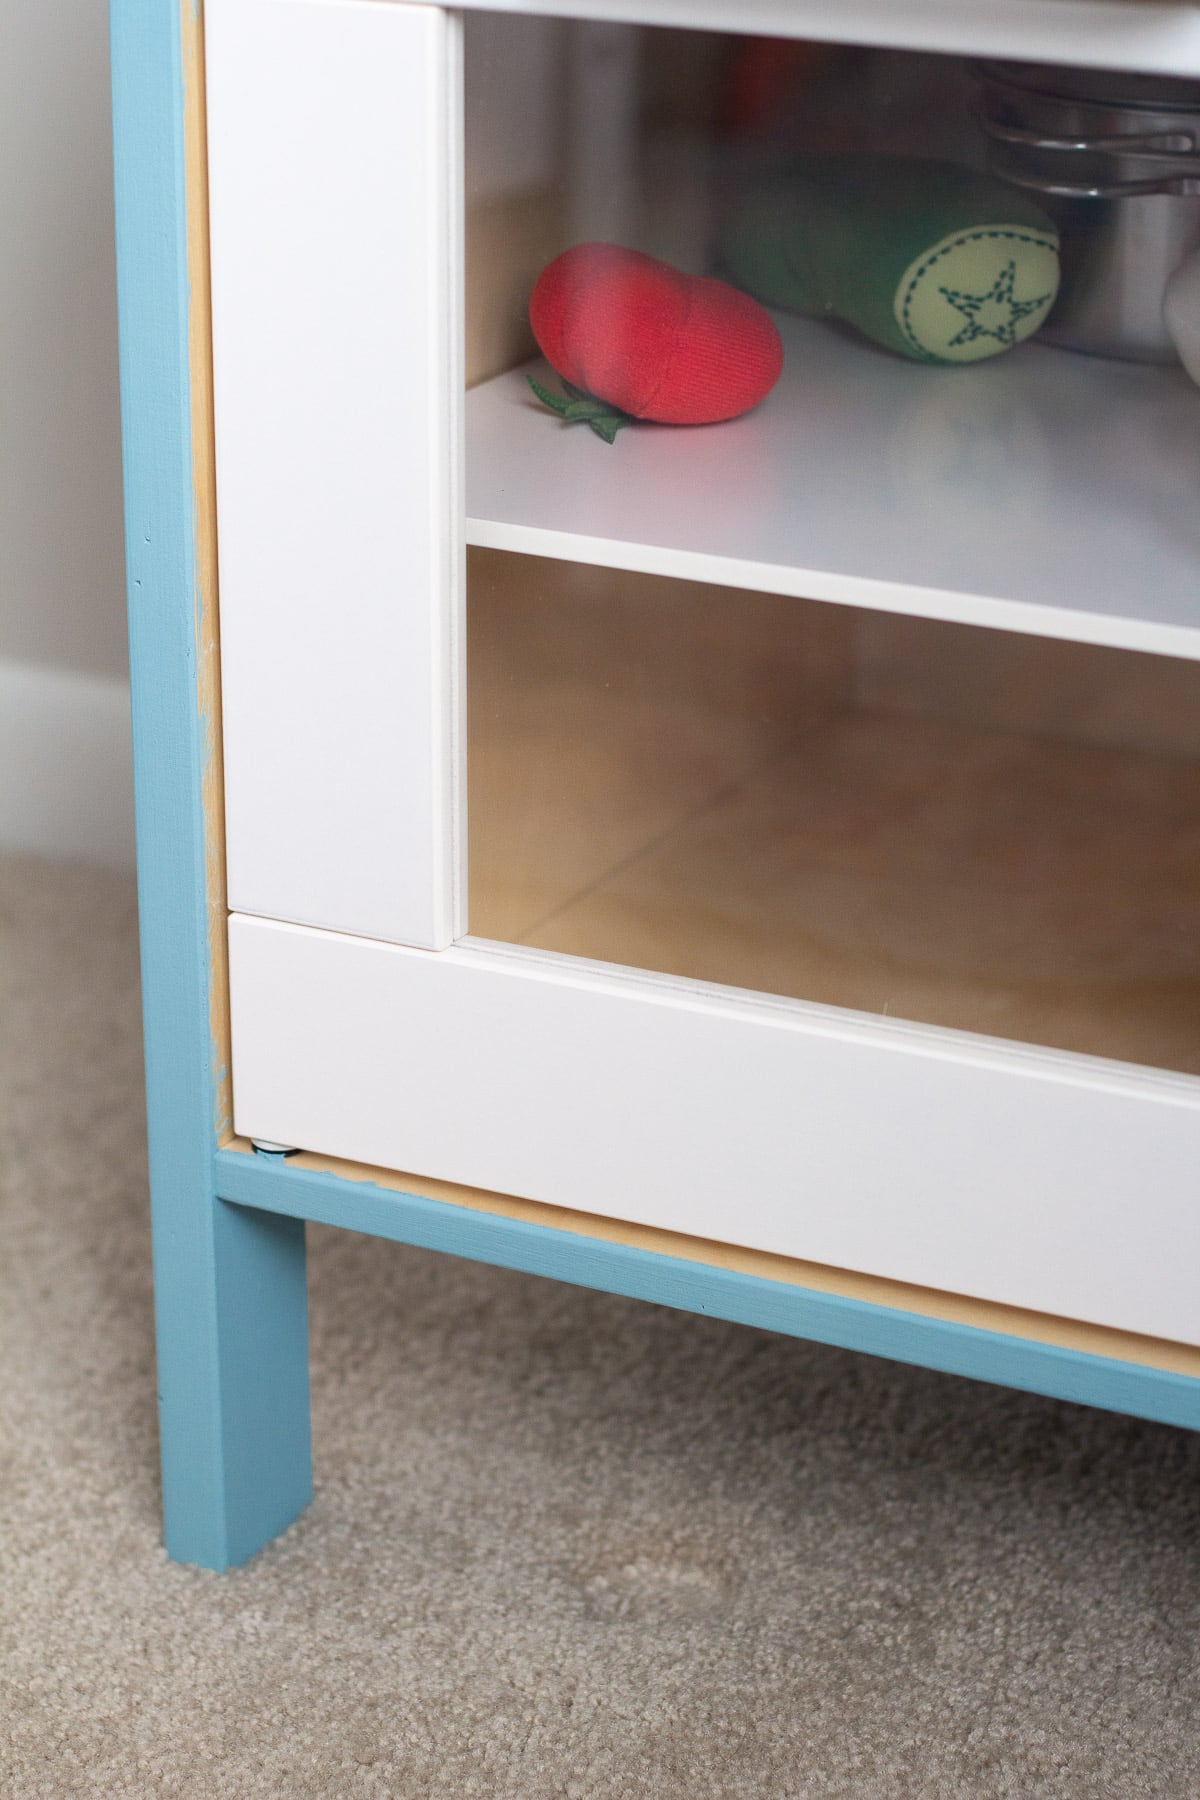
[(634, 338)]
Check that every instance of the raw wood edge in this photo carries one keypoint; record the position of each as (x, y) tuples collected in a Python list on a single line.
[(208, 675), (874, 1290)]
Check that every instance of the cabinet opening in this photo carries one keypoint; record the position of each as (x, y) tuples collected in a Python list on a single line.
[(884, 692)]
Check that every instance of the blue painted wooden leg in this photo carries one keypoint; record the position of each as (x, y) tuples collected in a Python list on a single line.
[(230, 1291), (232, 1311)]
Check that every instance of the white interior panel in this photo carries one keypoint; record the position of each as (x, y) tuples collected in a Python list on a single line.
[(1060, 1183), (334, 201)]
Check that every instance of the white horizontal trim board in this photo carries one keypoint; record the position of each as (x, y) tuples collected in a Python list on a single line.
[(1064, 1184), (1159, 36), (66, 764)]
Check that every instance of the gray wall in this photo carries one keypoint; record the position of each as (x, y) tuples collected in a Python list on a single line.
[(64, 782)]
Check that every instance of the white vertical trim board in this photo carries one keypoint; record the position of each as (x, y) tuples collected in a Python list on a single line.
[(333, 129), (66, 764), (1060, 1183)]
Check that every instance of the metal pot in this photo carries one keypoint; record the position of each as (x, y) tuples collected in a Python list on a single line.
[(1115, 160)]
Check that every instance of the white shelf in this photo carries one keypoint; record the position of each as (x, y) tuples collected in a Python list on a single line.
[(1042, 492), (1156, 36)]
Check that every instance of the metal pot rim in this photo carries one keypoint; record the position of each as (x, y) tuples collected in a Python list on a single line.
[(1096, 87)]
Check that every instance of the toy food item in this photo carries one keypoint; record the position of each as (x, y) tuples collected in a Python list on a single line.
[(634, 338), (1181, 313), (931, 260)]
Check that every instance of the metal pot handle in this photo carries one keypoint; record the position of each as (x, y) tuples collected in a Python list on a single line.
[(1166, 146), (1112, 190)]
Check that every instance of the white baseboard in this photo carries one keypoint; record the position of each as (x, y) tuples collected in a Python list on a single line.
[(66, 764)]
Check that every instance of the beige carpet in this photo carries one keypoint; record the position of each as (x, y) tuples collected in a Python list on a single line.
[(563, 1544)]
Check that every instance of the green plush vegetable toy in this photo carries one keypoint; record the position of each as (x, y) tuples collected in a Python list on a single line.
[(928, 259)]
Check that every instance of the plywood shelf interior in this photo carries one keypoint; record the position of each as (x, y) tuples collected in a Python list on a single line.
[(1041, 492), (857, 826)]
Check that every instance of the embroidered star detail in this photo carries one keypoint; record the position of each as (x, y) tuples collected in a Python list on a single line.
[(995, 314)]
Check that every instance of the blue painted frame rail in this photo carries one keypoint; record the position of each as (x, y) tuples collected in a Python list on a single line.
[(269, 1183)]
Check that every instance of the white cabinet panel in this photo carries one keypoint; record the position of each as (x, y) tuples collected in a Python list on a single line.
[(1059, 1183), (335, 196)]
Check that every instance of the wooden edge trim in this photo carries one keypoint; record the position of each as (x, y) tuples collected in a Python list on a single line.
[(874, 1290), (204, 488)]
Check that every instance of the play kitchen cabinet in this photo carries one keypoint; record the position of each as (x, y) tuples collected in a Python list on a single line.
[(754, 865)]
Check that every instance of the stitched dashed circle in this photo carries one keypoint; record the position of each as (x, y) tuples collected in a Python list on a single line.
[(977, 292)]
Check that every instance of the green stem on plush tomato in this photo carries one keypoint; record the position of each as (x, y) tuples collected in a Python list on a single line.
[(578, 408)]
